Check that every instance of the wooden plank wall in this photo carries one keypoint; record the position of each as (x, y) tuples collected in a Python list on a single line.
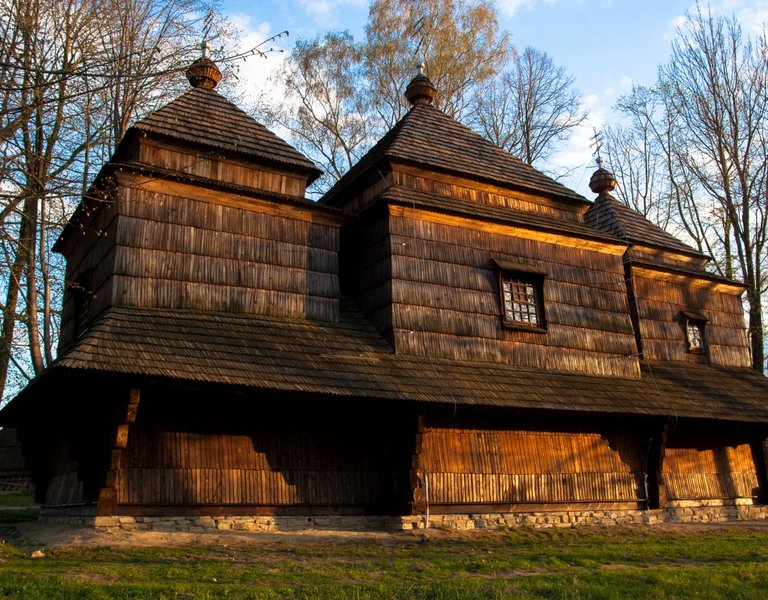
[(221, 170), (91, 248), (176, 252), (659, 304), (260, 464), (472, 191), (367, 269), (722, 471), (64, 485), (446, 300), (476, 466)]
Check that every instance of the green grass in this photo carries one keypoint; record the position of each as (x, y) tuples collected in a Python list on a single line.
[(618, 562), (14, 499)]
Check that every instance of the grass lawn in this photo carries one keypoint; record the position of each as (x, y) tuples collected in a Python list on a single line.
[(616, 562)]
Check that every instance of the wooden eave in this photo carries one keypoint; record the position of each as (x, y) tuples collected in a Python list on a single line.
[(349, 359), (204, 117), (665, 253), (135, 137), (519, 189), (693, 277), (501, 220), (164, 181), (429, 140)]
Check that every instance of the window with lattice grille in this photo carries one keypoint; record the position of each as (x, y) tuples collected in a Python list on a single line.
[(522, 296)]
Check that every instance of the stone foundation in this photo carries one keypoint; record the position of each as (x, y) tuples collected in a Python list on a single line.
[(713, 511)]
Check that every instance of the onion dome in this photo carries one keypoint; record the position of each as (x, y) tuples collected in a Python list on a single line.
[(602, 181), (420, 90), (203, 73)]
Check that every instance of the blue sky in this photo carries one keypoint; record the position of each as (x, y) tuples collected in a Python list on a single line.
[(605, 44)]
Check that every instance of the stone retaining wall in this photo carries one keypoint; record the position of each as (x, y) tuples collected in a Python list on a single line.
[(680, 512)]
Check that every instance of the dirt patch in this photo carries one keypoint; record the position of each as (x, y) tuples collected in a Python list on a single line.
[(45, 535)]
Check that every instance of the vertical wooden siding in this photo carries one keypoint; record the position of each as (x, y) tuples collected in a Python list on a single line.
[(722, 471), (93, 251), (446, 301), (468, 466), (659, 304), (215, 167), (259, 465)]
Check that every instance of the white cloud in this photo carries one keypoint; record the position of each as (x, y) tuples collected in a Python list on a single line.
[(254, 71), (328, 14), (510, 7)]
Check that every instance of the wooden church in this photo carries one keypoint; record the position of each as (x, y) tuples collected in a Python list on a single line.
[(446, 333)]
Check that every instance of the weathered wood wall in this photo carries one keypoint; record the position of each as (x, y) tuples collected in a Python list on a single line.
[(485, 194), (663, 335), (707, 464), (367, 269), (491, 466), (217, 168), (445, 299), (89, 250), (297, 457), (171, 251)]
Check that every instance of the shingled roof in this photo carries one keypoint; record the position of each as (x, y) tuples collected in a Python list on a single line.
[(204, 117), (350, 359), (616, 218), (431, 139)]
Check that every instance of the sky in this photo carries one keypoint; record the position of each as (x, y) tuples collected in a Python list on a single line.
[(606, 45)]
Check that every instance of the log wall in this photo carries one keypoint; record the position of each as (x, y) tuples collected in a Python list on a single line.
[(476, 466), (445, 300), (663, 335)]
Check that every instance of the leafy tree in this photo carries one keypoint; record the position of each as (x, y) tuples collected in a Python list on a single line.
[(344, 95), (458, 41), (328, 120)]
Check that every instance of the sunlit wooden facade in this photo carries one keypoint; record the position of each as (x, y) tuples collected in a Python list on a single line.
[(447, 329)]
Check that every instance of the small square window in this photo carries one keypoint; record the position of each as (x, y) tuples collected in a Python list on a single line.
[(522, 296)]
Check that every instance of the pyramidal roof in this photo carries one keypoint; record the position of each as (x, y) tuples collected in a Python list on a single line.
[(427, 137), (611, 216), (203, 116)]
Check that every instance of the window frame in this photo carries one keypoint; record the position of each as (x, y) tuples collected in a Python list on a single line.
[(699, 321), (528, 275)]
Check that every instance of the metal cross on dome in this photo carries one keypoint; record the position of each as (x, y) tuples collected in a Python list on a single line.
[(597, 144), (418, 33), (207, 25)]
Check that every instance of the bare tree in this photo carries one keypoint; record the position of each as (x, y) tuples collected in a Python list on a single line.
[(707, 120), (530, 108), (76, 73), (639, 157)]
